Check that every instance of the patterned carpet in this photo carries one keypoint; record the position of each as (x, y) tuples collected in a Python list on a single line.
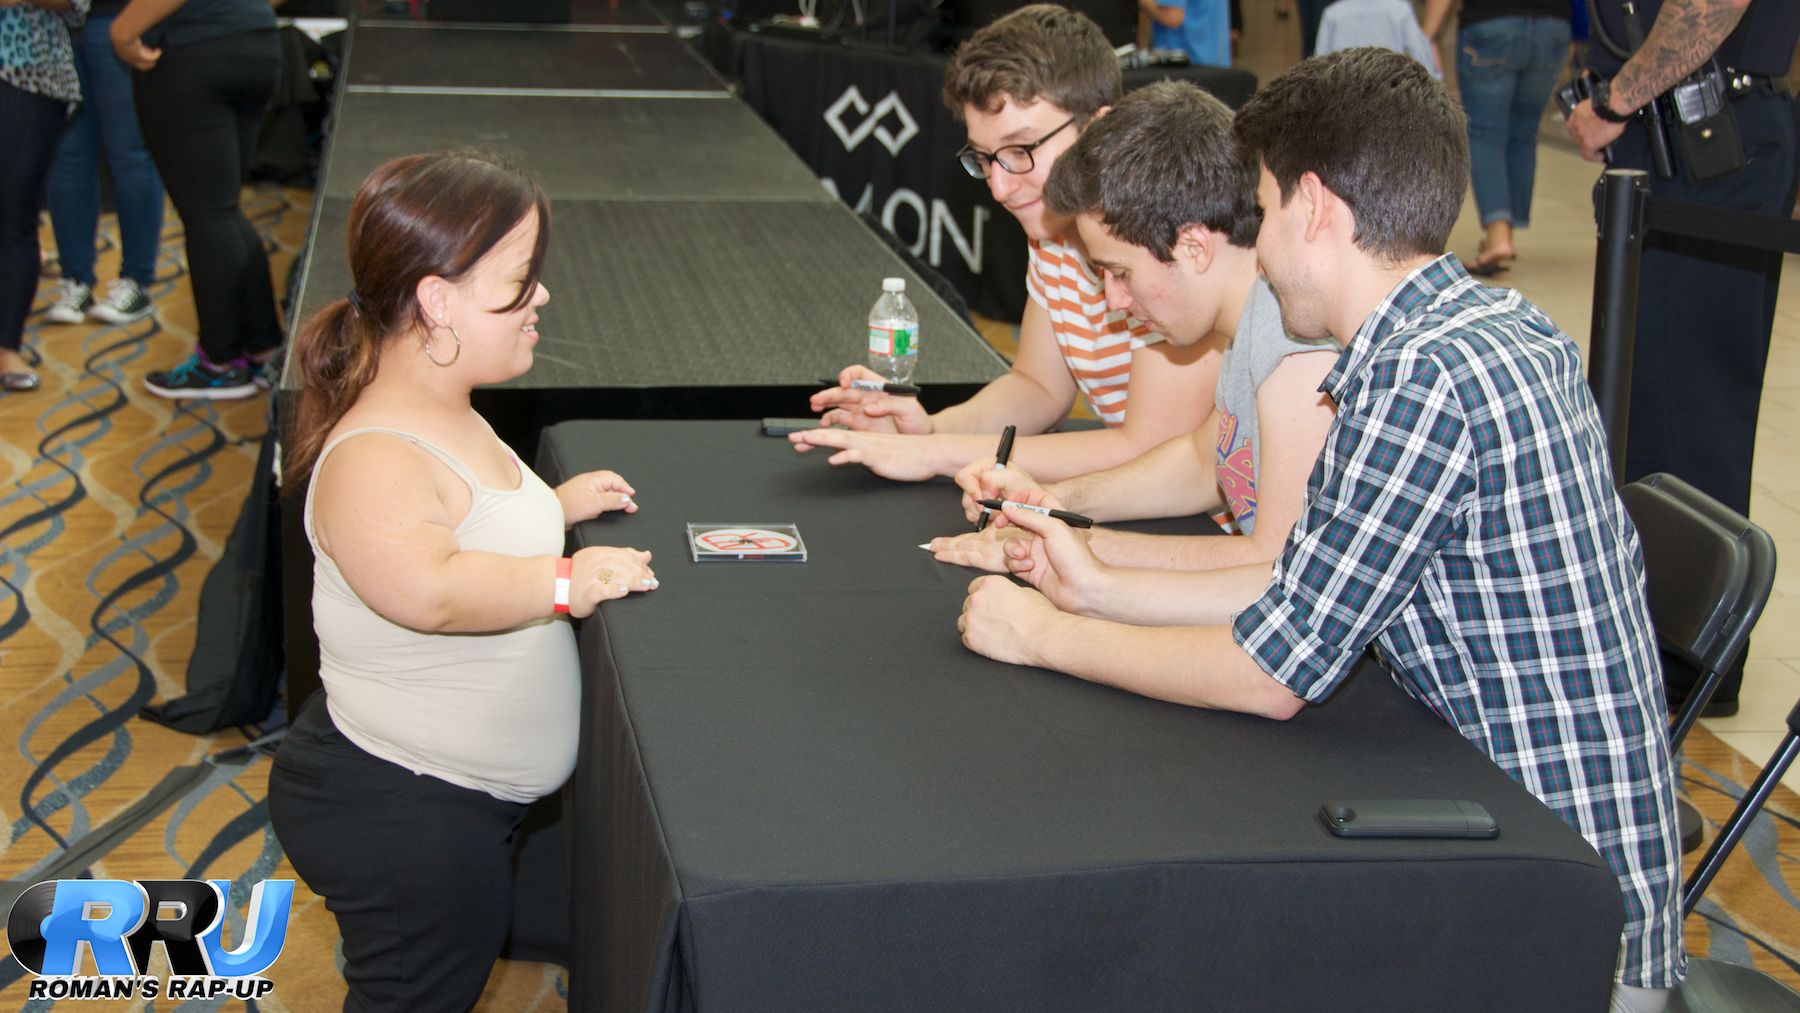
[(113, 506)]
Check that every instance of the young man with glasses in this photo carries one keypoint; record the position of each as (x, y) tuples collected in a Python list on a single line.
[(1026, 86), (1461, 519)]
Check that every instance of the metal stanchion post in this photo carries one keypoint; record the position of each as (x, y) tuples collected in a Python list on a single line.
[(1623, 194)]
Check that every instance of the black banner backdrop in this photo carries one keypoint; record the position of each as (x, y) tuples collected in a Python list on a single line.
[(872, 123)]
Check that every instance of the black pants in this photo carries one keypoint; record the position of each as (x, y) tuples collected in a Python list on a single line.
[(200, 108), (1705, 312), (1311, 13), (417, 870), (33, 124)]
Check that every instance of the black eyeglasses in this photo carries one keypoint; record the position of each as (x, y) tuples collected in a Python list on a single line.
[(1014, 158)]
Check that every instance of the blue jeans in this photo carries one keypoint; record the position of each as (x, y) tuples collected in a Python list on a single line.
[(106, 118), (1505, 70)]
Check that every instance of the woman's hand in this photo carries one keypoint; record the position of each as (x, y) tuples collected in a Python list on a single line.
[(131, 49), (593, 493), (604, 572)]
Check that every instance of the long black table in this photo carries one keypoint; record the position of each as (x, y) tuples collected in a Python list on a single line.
[(797, 790)]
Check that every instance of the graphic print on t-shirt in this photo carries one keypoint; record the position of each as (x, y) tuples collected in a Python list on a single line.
[(1237, 470)]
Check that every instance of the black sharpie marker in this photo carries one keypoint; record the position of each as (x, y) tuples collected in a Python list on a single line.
[(1073, 520), (878, 386)]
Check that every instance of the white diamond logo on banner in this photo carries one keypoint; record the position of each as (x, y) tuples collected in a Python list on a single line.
[(852, 98)]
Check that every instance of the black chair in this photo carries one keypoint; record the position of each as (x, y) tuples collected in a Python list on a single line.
[(1708, 578), (1709, 572)]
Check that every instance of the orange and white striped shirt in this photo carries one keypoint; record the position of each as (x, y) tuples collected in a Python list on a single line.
[(1096, 342)]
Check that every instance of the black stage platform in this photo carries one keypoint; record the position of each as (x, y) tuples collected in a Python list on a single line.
[(523, 60), (706, 294), (584, 13), (652, 149)]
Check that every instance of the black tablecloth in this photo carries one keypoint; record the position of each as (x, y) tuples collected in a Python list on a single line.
[(797, 790)]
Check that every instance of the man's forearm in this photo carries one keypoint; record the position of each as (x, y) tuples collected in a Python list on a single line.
[(1175, 479), (1685, 35), (1011, 400), (1179, 552), (1194, 666), (1154, 597), (1052, 457)]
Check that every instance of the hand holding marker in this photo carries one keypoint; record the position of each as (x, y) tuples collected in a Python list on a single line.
[(1001, 456), (1070, 518)]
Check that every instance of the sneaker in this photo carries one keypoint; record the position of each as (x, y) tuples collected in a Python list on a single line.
[(197, 378), (73, 300), (123, 303), (266, 374)]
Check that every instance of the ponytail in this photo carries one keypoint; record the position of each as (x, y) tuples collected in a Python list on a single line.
[(337, 351)]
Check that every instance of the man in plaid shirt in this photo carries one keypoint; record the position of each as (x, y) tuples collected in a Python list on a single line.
[(1461, 517)]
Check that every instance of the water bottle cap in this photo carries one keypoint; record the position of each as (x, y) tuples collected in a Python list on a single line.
[(893, 284)]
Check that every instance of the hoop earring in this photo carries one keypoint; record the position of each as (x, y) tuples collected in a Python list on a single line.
[(426, 348)]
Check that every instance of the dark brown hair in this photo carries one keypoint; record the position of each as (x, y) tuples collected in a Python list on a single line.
[(414, 217), (1379, 132), (1161, 160), (1038, 53)]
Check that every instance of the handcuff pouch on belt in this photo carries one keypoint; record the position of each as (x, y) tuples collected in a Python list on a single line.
[(1703, 126), (1693, 120)]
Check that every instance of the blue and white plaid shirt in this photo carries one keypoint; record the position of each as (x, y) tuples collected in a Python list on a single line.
[(1462, 515)]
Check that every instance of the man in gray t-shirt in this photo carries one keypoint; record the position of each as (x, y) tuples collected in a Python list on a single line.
[(1177, 250)]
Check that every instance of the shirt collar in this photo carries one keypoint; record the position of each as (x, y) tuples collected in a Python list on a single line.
[(1418, 290)]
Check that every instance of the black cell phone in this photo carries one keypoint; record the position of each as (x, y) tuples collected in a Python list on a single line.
[(782, 427), (1408, 817)]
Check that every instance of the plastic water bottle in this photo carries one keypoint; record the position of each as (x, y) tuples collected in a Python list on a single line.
[(894, 333)]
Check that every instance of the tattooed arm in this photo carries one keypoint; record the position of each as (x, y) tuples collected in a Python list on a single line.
[(1685, 34)]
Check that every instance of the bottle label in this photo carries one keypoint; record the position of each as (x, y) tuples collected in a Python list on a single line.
[(893, 340)]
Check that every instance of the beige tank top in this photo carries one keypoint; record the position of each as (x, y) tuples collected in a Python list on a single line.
[(495, 712)]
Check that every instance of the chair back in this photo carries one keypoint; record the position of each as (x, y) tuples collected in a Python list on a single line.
[(1709, 572)]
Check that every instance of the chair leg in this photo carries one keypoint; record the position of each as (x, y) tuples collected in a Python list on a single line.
[(1693, 828), (1693, 704), (1739, 822)]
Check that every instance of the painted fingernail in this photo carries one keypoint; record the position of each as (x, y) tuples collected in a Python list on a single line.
[(925, 545)]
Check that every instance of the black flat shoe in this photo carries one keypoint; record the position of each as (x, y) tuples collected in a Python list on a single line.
[(19, 382), (1486, 265)]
